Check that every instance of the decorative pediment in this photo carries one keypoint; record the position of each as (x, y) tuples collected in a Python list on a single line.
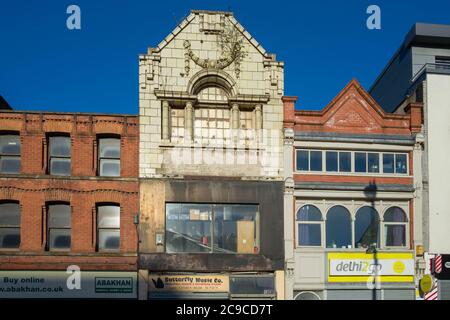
[(352, 112)]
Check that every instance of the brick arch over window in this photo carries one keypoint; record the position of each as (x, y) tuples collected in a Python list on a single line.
[(111, 196), (208, 78), (10, 193), (59, 195)]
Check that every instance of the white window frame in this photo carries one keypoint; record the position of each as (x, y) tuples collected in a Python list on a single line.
[(352, 163), (298, 222), (384, 223)]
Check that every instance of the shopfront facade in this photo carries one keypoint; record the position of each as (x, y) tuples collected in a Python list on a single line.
[(349, 200), (211, 163)]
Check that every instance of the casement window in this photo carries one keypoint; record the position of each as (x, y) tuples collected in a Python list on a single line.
[(367, 224), (59, 162), (371, 163), (59, 230), (109, 157), (395, 226), (108, 227), (309, 226), (338, 228), (212, 228), (9, 153), (9, 225)]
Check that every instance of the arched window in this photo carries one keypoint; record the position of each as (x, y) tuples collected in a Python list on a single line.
[(9, 225), (395, 222), (366, 227), (309, 226), (339, 228)]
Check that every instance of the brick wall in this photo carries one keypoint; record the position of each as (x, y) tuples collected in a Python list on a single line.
[(33, 188)]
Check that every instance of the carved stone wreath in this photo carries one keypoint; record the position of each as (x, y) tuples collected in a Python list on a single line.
[(231, 46)]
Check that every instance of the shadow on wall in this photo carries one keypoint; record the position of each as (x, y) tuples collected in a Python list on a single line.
[(370, 192)]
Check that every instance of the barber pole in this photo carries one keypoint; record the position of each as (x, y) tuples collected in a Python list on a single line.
[(433, 294), (438, 264)]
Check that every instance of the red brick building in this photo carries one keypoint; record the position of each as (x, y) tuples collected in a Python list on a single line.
[(350, 197), (68, 191)]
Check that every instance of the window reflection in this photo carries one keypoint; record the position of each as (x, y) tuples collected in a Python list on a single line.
[(212, 228), (339, 228), (366, 227)]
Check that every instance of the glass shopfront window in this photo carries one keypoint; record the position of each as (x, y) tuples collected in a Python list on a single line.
[(221, 228)]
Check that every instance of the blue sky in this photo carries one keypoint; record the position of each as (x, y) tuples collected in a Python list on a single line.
[(324, 44)]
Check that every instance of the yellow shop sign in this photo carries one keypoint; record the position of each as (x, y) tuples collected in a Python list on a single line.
[(188, 283), (361, 267)]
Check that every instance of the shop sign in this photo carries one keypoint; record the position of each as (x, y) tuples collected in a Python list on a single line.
[(360, 267), (188, 283), (57, 284)]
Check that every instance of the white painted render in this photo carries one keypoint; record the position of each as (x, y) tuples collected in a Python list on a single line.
[(438, 143)]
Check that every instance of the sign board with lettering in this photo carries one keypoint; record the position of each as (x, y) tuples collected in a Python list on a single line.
[(60, 284), (360, 267), (188, 283)]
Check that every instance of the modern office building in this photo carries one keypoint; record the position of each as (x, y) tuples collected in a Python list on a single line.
[(210, 169), (68, 200), (349, 199), (420, 72)]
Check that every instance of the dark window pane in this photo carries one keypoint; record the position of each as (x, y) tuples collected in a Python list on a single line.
[(60, 166), (110, 168), (252, 285), (307, 296), (316, 160), (345, 161), (9, 164), (109, 148), (366, 227), (192, 231), (108, 217), (338, 227), (235, 229), (360, 162), (395, 214), (108, 239), (9, 238), (309, 235), (388, 163), (10, 214), (400, 163), (59, 216), (331, 159), (373, 162), (309, 213), (302, 160), (395, 235), (10, 145), (59, 239), (60, 146)]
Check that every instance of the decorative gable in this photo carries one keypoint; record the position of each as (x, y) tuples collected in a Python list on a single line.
[(352, 111)]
